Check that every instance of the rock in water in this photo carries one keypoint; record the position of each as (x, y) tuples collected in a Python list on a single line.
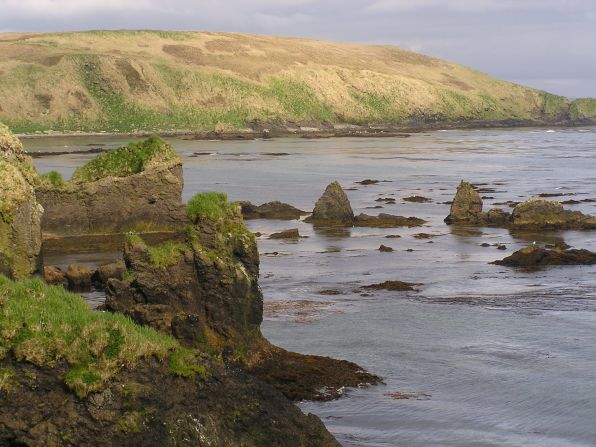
[(333, 207), (545, 214), (384, 220), (53, 275), (271, 210), (535, 257), (79, 278), (286, 234), (466, 207), (20, 213)]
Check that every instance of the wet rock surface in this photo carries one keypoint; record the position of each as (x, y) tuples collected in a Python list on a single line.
[(533, 257), (394, 286), (466, 207), (271, 210)]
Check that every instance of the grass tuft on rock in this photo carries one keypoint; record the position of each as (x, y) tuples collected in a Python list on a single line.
[(54, 178), (48, 326), (126, 160), (208, 205), (166, 254)]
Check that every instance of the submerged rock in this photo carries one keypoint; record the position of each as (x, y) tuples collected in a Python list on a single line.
[(134, 187), (386, 221), (394, 286), (466, 207), (271, 210), (333, 207), (535, 257), (417, 199), (20, 212), (545, 214)]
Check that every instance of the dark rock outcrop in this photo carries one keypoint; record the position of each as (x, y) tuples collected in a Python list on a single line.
[(79, 278), (333, 207), (20, 212), (386, 221), (271, 210), (533, 257), (105, 272), (466, 207), (385, 249), (393, 286), (149, 406), (143, 198)]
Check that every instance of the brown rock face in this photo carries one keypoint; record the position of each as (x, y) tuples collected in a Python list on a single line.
[(79, 278), (466, 207), (545, 214), (286, 234), (150, 199), (333, 207), (20, 213), (53, 275), (535, 257)]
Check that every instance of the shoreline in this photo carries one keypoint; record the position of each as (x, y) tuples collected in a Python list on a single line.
[(265, 131)]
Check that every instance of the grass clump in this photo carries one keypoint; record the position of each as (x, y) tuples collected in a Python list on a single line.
[(54, 178), (166, 254), (127, 160), (48, 326), (208, 205)]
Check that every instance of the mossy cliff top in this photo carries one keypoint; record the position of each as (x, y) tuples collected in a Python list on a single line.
[(127, 160), (48, 326), (124, 81), (14, 190)]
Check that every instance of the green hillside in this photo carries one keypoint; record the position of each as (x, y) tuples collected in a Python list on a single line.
[(163, 81)]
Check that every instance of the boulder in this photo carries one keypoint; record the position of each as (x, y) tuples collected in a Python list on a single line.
[(466, 208), (79, 278), (536, 257), (497, 217), (384, 220), (106, 272), (544, 214), (333, 207), (20, 213), (271, 210), (134, 187), (385, 249), (53, 275)]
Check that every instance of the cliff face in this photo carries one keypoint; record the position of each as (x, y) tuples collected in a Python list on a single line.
[(20, 213), (139, 186)]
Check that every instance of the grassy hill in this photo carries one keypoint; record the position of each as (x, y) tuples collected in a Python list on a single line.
[(163, 81)]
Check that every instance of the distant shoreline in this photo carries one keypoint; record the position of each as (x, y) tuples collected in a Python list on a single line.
[(337, 131)]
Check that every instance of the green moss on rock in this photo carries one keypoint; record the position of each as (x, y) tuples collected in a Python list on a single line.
[(48, 326), (14, 190), (208, 205), (126, 160)]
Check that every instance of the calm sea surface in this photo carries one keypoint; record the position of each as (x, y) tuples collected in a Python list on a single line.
[(490, 356)]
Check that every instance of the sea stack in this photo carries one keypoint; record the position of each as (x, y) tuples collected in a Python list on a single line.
[(333, 207)]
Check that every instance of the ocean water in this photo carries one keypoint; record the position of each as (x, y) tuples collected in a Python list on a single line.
[(488, 355)]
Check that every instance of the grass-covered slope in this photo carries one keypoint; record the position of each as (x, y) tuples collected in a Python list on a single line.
[(162, 81), (48, 326)]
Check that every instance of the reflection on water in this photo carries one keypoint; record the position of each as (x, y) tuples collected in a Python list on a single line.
[(502, 357)]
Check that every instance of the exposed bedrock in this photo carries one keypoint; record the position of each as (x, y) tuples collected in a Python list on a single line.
[(533, 214), (204, 291), (20, 212), (104, 198)]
